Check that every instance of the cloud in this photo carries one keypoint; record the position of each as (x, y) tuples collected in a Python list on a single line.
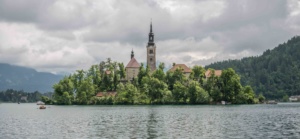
[(62, 36)]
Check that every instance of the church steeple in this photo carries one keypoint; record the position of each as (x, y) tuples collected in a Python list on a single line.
[(151, 36), (151, 27), (151, 50), (132, 54)]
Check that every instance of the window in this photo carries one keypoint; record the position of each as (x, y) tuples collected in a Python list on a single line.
[(150, 59), (151, 52)]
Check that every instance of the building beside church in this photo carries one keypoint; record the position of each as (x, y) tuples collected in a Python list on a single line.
[(209, 72), (151, 51), (132, 68), (185, 70)]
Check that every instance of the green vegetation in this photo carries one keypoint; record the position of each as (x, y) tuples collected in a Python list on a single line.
[(275, 74), (150, 88), (11, 95)]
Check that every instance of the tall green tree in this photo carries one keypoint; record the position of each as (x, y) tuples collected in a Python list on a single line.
[(231, 85), (85, 91), (172, 77), (126, 94), (122, 71), (159, 73), (143, 73), (198, 74), (179, 93), (154, 88), (196, 94), (63, 91)]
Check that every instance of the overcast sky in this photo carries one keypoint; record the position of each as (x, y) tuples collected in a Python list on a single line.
[(63, 36)]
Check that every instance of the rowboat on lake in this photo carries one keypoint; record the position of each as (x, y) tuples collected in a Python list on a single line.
[(42, 107)]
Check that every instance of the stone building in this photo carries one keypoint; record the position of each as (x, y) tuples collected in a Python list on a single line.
[(185, 70), (151, 51), (132, 68)]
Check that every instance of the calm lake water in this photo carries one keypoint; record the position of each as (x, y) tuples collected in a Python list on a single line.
[(236, 121)]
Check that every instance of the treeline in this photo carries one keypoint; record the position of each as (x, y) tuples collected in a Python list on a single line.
[(151, 88), (15, 96), (275, 74)]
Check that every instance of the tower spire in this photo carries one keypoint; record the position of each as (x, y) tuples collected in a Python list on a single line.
[(151, 35), (151, 26), (132, 54)]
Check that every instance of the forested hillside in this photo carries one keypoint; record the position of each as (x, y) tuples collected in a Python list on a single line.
[(274, 74), (26, 79)]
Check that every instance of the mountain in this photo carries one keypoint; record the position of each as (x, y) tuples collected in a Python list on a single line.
[(26, 79), (275, 73)]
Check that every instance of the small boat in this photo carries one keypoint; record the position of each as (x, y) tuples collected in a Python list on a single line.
[(40, 103), (271, 102), (223, 102), (42, 107)]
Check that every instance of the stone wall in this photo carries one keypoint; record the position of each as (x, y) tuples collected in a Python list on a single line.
[(131, 73)]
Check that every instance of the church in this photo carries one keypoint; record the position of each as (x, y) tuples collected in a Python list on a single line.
[(132, 68)]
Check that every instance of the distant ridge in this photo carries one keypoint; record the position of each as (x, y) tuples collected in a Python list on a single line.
[(276, 73), (26, 79)]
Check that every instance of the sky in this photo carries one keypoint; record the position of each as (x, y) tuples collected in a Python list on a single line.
[(64, 36)]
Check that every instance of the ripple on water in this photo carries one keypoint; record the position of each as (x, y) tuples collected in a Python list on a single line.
[(241, 121)]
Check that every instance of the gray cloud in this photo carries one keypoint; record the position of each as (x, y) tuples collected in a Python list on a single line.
[(62, 36)]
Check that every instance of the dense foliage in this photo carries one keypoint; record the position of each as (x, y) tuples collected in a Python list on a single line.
[(275, 73), (11, 95), (158, 87)]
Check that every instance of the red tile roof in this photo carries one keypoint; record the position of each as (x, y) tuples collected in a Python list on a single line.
[(133, 63), (185, 69), (102, 94), (209, 72), (107, 72)]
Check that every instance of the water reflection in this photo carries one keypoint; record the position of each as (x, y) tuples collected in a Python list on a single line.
[(245, 121), (152, 124)]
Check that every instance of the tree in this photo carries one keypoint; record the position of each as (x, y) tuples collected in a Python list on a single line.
[(63, 89), (198, 74), (179, 93), (102, 67), (247, 96), (94, 72), (213, 86), (126, 94), (230, 85), (285, 98), (143, 73), (159, 73), (85, 91), (261, 98), (154, 89), (196, 94), (172, 77), (122, 71)]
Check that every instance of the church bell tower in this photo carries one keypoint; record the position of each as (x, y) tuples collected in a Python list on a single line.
[(151, 51)]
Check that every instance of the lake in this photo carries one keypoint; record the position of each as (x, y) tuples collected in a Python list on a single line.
[(199, 121)]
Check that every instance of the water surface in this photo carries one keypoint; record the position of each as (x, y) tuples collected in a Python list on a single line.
[(201, 121)]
